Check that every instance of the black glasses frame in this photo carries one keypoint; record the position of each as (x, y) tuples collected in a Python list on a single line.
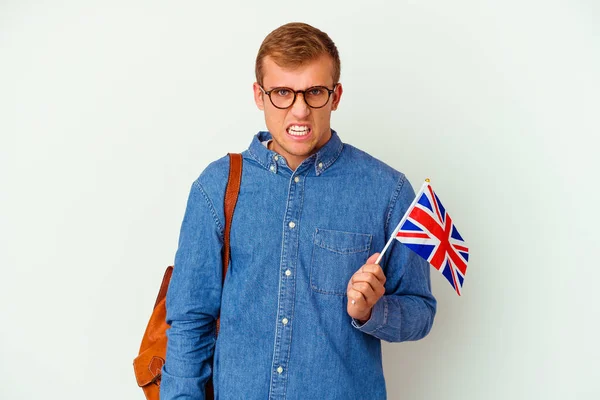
[(329, 92)]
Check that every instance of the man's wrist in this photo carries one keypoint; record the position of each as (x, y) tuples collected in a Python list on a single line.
[(366, 319)]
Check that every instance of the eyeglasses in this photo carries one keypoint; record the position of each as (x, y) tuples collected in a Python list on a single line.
[(283, 97)]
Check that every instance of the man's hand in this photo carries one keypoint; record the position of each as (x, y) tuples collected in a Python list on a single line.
[(365, 289)]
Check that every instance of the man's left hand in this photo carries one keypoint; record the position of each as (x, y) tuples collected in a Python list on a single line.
[(365, 288)]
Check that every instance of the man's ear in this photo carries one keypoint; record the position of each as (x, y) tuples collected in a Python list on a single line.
[(258, 96), (337, 95)]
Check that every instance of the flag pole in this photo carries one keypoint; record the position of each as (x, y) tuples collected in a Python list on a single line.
[(393, 236)]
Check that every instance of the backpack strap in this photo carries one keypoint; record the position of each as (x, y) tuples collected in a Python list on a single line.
[(231, 195)]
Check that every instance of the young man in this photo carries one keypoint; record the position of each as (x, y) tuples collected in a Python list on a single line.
[(303, 307)]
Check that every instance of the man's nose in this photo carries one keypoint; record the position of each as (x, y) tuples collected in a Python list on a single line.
[(300, 109)]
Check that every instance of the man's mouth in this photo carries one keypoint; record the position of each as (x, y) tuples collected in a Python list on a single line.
[(298, 130)]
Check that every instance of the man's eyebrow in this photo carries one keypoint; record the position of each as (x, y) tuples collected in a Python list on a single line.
[(279, 87), (269, 88)]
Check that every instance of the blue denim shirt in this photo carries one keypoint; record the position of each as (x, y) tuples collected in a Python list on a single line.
[(297, 237)]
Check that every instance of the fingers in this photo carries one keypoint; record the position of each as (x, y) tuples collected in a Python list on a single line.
[(368, 283), (372, 259), (371, 289), (365, 293), (365, 288), (359, 306), (370, 267), (374, 278), (356, 298), (370, 273)]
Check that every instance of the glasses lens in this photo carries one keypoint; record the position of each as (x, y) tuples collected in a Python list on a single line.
[(316, 96), (282, 97)]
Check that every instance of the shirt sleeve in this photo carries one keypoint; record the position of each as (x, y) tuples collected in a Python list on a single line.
[(193, 301), (407, 309)]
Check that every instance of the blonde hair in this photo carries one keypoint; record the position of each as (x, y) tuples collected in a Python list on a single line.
[(294, 44)]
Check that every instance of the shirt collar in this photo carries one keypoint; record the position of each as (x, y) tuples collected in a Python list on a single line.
[(321, 160)]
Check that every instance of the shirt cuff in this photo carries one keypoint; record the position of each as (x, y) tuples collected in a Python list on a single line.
[(378, 318), (172, 387)]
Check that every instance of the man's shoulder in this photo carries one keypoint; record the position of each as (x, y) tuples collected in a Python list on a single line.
[(213, 178), (370, 166), (390, 184), (216, 169)]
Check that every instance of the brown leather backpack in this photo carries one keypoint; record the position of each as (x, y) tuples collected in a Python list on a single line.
[(148, 364)]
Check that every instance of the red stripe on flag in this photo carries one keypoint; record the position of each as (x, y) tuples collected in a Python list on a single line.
[(437, 210), (412, 235), (461, 248), (454, 276)]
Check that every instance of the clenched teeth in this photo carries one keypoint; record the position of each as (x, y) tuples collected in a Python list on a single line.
[(298, 130)]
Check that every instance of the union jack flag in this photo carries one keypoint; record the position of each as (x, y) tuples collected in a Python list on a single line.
[(428, 230)]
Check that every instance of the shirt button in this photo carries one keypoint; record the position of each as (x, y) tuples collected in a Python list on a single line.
[(276, 158), (320, 165), (272, 168), (292, 224), (288, 272), (284, 321), (296, 179), (279, 370)]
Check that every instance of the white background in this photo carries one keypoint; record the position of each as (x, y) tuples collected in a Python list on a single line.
[(110, 109)]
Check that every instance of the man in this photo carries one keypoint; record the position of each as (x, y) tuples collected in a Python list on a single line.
[(303, 306)]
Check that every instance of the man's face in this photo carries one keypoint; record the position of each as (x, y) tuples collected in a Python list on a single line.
[(298, 131)]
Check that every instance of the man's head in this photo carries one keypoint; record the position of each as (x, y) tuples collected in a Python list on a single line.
[(292, 45), (296, 57)]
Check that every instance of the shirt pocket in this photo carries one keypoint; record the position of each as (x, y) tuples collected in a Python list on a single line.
[(336, 257)]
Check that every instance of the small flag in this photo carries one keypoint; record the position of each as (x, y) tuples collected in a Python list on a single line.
[(428, 230)]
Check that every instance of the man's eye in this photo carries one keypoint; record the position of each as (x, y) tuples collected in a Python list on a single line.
[(316, 92), (282, 92)]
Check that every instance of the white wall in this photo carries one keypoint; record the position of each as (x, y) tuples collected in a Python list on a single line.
[(110, 109)]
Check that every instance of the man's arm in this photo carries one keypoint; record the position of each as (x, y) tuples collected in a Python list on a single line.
[(193, 300), (396, 305)]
